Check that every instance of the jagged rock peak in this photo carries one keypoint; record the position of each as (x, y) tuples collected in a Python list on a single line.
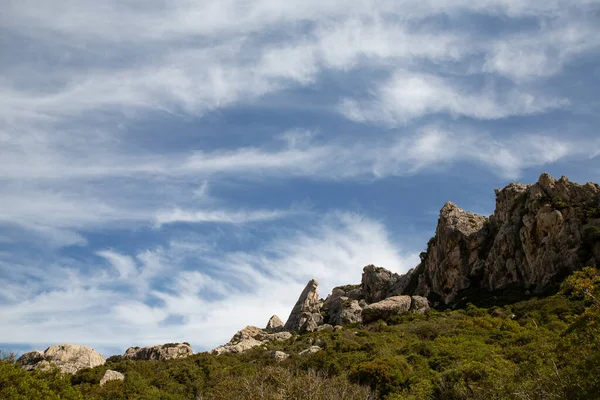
[(159, 352), (536, 236), (306, 314), (69, 358), (275, 324)]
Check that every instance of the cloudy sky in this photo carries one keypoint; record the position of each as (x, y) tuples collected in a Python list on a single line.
[(173, 170)]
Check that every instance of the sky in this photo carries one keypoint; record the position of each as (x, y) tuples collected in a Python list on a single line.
[(174, 170)]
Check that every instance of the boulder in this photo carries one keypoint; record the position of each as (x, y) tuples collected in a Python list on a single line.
[(159, 352), (310, 350), (237, 347), (279, 355), (275, 324), (306, 314), (111, 375), (248, 338), (69, 358), (377, 282), (419, 305), (387, 308), (343, 310), (325, 327)]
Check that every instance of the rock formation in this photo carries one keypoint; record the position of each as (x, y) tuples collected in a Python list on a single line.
[(69, 358), (168, 351), (310, 350), (342, 310), (275, 324), (386, 308), (537, 235), (280, 355), (248, 338), (306, 314), (111, 375)]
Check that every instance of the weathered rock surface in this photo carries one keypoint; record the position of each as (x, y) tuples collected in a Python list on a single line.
[(69, 358), (537, 235), (168, 351), (386, 308), (280, 355), (250, 337), (343, 310), (275, 324), (419, 305), (111, 375), (237, 347), (306, 314), (310, 350)]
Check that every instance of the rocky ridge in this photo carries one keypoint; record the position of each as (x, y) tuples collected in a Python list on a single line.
[(159, 352)]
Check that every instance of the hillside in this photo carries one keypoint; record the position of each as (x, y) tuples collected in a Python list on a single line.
[(500, 307)]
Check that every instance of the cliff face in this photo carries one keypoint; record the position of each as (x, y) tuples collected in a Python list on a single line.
[(537, 235)]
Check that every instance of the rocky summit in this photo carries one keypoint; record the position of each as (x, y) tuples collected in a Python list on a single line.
[(537, 235), (69, 358)]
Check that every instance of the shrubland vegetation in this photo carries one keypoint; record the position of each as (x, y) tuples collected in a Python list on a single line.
[(546, 348)]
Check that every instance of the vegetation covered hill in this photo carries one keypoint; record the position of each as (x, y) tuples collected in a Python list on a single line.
[(547, 348)]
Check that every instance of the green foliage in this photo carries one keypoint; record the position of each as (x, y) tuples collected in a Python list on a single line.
[(546, 348)]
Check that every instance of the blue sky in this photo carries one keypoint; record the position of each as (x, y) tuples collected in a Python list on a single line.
[(176, 170)]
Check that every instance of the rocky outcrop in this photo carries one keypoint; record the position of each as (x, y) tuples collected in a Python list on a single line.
[(69, 358), (280, 355), (310, 350), (343, 310), (111, 375), (306, 314), (386, 308), (159, 352), (275, 324), (419, 305), (248, 338), (537, 235)]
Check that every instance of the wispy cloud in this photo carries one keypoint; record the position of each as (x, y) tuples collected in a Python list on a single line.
[(263, 281)]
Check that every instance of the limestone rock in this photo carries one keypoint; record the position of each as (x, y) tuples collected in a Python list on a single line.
[(387, 308), (111, 375), (159, 352), (310, 350), (275, 324), (279, 355), (69, 358), (537, 235), (306, 314)]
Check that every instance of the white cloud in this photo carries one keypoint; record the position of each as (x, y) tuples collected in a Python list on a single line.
[(406, 96), (223, 293), (219, 216)]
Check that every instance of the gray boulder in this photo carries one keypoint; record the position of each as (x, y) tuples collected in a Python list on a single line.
[(387, 308), (343, 310)]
